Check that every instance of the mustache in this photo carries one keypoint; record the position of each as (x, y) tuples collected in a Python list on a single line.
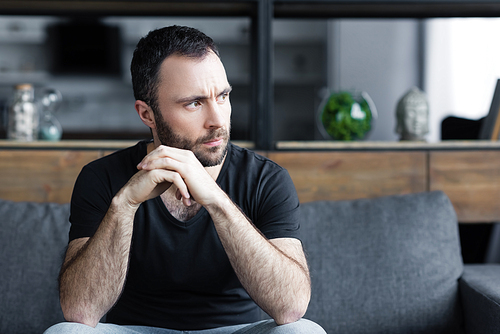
[(213, 134)]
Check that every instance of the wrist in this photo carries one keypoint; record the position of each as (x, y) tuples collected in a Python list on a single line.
[(120, 203), (221, 205)]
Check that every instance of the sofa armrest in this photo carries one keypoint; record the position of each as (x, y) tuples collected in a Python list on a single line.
[(480, 293)]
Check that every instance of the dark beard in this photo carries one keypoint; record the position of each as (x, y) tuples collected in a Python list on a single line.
[(208, 158)]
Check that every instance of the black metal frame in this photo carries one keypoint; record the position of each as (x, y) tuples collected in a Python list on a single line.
[(262, 81), (261, 12)]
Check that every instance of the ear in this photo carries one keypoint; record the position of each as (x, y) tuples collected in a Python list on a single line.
[(145, 113)]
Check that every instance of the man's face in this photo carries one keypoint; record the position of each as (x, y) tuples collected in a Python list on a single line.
[(194, 109)]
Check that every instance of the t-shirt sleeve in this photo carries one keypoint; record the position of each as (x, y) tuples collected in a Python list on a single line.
[(89, 203), (279, 208)]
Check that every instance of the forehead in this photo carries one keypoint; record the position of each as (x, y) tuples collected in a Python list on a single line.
[(185, 75)]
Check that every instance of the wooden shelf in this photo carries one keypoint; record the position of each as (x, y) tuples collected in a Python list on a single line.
[(386, 145), (261, 13), (386, 9), (467, 171), (67, 144), (280, 146), (285, 8), (127, 7), (80, 144)]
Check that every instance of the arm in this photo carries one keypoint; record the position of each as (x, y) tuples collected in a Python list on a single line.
[(480, 294), (94, 269), (274, 272), (93, 274)]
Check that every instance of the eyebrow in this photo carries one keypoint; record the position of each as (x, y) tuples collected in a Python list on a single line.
[(203, 97)]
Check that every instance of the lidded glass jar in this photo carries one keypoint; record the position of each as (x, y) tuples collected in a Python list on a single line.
[(23, 115)]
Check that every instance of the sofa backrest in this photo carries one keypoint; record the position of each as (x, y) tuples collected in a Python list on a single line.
[(384, 265), (33, 238)]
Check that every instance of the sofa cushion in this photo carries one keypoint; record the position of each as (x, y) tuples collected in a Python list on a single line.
[(385, 265), (33, 237)]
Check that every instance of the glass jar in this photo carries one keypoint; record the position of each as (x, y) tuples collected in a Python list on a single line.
[(346, 116), (23, 118), (50, 128)]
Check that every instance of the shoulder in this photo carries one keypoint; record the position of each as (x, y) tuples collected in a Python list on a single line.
[(255, 173), (121, 163), (265, 192), (115, 169), (246, 159), (127, 156)]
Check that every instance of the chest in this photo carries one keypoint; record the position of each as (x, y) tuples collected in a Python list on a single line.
[(177, 209), (171, 255)]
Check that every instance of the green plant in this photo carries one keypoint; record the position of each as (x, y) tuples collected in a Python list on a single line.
[(344, 118)]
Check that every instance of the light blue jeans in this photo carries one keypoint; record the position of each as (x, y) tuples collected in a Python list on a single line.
[(302, 326)]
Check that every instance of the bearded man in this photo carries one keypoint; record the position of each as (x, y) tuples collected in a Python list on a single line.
[(185, 232)]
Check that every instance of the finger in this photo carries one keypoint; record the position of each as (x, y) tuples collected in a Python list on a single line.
[(145, 185), (185, 201), (161, 176), (161, 153), (161, 163), (159, 189)]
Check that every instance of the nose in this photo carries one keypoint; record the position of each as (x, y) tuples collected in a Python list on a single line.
[(215, 117)]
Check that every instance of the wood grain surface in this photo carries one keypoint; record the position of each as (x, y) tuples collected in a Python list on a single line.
[(41, 176), (471, 179), (351, 175)]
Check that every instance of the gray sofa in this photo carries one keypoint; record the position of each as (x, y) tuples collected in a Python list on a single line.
[(385, 265)]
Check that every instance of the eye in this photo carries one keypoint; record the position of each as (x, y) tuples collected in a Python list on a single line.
[(193, 105), (223, 97)]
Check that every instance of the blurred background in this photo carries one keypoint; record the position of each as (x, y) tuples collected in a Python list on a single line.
[(455, 61)]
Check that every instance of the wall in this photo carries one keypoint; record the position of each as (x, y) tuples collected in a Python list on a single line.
[(380, 57)]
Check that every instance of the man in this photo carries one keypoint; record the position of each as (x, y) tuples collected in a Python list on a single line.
[(186, 231)]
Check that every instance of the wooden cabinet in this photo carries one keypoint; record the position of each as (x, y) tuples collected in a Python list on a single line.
[(472, 181), (45, 171), (468, 172), (41, 175), (261, 13), (351, 175), (470, 178)]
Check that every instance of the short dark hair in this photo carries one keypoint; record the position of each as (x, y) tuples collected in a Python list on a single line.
[(155, 47)]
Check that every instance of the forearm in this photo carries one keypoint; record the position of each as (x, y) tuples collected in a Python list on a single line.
[(277, 282), (92, 279)]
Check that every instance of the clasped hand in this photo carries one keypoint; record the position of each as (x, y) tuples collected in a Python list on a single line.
[(165, 166)]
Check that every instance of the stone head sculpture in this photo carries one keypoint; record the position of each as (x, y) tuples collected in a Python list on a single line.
[(412, 115)]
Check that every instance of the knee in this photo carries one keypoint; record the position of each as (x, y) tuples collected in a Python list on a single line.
[(302, 326), (69, 328)]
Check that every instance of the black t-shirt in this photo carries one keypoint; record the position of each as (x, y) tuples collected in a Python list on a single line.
[(179, 275)]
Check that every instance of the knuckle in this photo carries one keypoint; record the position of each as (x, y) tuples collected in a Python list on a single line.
[(155, 173), (189, 154), (162, 149), (177, 177)]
